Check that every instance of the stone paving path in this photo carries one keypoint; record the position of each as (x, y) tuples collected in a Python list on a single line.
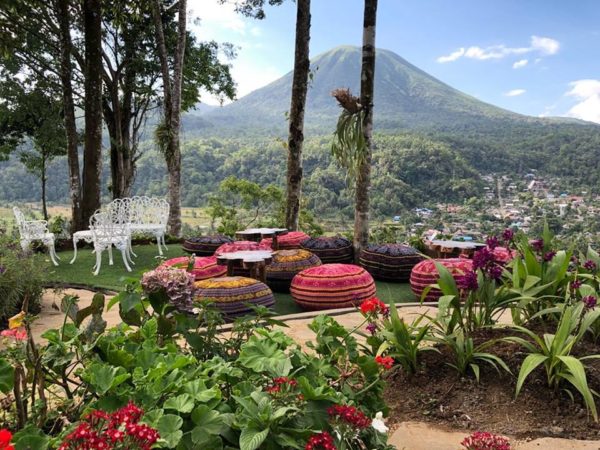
[(405, 436)]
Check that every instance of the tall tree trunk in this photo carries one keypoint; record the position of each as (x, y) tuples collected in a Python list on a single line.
[(92, 152), (298, 104), (172, 108), (66, 69), (367, 81), (43, 179)]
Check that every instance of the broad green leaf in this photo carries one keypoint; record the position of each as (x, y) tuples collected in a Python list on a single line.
[(183, 403), (169, 428), (7, 376), (579, 380), (207, 421), (251, 438), (529, 364)]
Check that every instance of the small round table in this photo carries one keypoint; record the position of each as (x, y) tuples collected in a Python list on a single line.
[(254, 260), (83, 235), (257, 234)]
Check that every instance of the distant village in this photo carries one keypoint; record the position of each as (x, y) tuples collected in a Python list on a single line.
[(522, 203)]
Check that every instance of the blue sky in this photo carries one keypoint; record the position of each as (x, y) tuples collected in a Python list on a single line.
[(530, 56)]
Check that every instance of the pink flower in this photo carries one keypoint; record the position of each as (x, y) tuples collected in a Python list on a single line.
[(485, 441), (18, 334)]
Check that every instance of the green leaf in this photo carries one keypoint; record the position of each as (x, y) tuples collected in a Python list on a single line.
[(183, 403), (169, 428), (251, 438), (197, 389), (207, 422), (528, 366), (30, 438), (129, 300), (579, 380), (7, 376)]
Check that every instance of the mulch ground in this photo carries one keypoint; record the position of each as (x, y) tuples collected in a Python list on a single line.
[(437, 394)]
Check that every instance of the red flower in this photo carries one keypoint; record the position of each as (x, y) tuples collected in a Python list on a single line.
[(320, 441), (18, 334), (387, 362), (5, 438), (349, 415), (485, 441), (373, 306)]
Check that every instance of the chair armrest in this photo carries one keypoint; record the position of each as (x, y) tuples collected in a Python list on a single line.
[(35, 227)]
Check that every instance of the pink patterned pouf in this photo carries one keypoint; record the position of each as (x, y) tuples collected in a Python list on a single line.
[(241, 246), (503, 254), (425, 274), (332, 286), (290, 240), (204, 267)]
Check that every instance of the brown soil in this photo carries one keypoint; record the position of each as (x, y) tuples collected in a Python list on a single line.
[(436, 394)]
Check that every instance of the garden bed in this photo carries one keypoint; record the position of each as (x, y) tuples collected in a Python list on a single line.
[(437, 395)]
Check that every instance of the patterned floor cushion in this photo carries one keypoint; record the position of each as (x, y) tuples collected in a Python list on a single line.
[(286, 264), (205, 245), (204, 267), (290, 240), (425, 273), (334, 249), (233, 295), (389, 262), (332, 286), (503, 255)]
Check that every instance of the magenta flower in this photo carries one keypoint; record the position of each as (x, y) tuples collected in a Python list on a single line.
[(492, 242), (589, 301), (468, 281), (538, 245), (482, 258), (590, 265), (508, 235), (548, 256), (371, 327), (575, 284)]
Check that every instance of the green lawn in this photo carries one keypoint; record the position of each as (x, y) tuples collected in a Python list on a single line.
[(113, 277)]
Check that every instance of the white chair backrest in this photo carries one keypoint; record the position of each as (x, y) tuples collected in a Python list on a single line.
[(20, 218), (105, 230), (120, 210)]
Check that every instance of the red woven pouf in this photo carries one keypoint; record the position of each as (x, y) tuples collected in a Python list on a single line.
[(241, 246), (332, 286), (290, 240), (287, 264), (503, 254), (204, 268), (425, 274)]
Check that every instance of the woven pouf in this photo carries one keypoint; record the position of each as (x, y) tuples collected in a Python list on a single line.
[(241, 246), (286, 264), (233, 295), (503, 255), (205, 245), (330, 249), (290, 240), (332, 286), (389, 262), (204, 268), (425, 273)]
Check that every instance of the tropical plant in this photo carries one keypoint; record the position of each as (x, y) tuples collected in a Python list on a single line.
[(404, 342), (466, 356), (553, 351)]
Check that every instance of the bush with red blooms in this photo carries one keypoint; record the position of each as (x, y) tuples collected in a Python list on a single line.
[(120, 430), (321, 441), (5, 438), (374, 306), (348, 415), (485, 441), (387, 362)]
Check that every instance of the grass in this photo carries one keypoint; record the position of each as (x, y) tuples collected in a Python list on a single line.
[(114, 277)]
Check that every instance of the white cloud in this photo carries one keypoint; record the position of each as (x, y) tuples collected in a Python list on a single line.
[(543, 45), (515, 92), (520, 63), (216, 19), (588, 94), (452, 56)]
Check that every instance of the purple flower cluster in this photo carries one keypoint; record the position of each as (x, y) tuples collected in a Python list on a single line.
[(492, 242), (538, 245), (508, 235), (589, 301), (590, 265), (177, 284), (468, 281), (548, 256), (485, 260)]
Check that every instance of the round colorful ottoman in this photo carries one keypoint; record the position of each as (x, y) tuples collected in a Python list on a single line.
[(286, 264), (205, 245), (335, 249), (425, 274), (504, 255), (389, 262), (332, 286), (204, 268), (290, 240), (233, 296)]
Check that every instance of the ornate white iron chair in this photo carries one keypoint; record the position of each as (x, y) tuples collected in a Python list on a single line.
[(35, 230), (120, 210), (105, 234), (149, 216)]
